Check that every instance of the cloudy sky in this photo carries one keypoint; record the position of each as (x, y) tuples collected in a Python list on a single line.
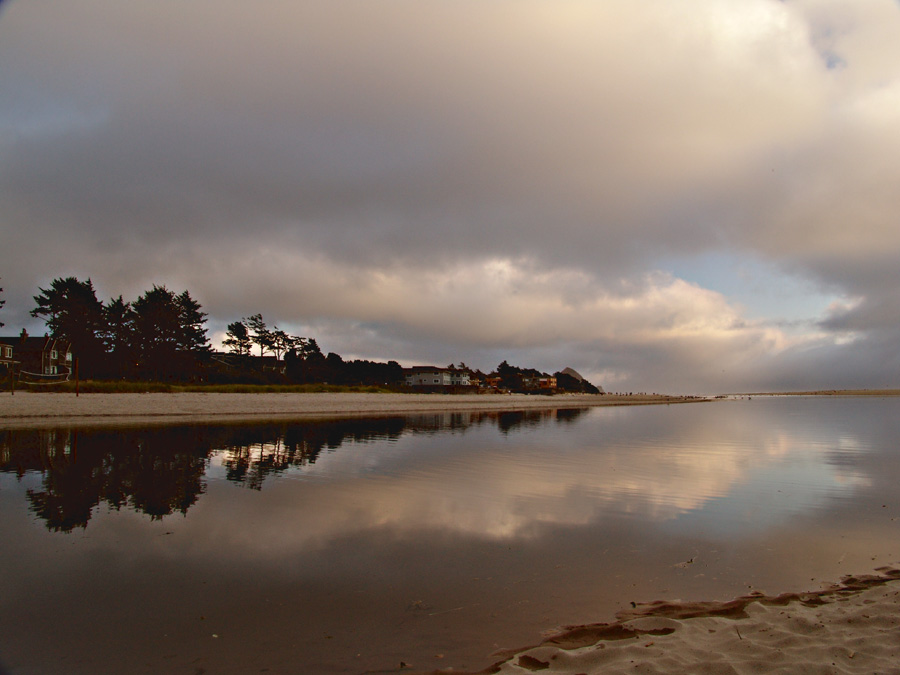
[(685, 196)]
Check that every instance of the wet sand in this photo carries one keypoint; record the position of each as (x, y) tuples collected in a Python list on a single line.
[(853, 627), (33, 410)]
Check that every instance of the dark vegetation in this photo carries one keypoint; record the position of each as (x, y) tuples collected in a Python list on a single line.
[(158, 342), (159, 471)]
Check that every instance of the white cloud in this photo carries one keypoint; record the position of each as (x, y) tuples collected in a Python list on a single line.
[(506, 496)]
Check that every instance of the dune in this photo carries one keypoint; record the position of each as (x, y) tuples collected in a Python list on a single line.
[(851, 627)]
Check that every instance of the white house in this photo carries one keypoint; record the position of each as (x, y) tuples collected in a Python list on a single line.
[(431, 376)]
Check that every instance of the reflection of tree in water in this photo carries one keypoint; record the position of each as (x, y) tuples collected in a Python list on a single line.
[(157, 471), (508, 421), (256, 452), (564, 416), (160, 471)]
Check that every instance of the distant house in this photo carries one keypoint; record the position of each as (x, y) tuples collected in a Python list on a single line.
[(6, 355), (542, 382), (548, 382), (431, 376), (41, 356), (492, 382)]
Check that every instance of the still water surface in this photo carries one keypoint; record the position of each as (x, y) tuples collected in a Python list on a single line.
[(353, 546)]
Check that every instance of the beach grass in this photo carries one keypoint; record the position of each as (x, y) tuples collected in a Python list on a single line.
[(139, 387)]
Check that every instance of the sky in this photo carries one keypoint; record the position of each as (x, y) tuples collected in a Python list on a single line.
[(679, 196)]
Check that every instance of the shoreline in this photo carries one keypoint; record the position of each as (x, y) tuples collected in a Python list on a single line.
[(825, 392), (850, 627), (40, 410)]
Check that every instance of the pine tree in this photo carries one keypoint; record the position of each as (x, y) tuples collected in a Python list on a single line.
[(237, 338), (118, 337), (261, 335), (192, 319), (73, 314), (169, 333)]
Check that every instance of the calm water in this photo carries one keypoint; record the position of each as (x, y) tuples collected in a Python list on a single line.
[(432, 540)]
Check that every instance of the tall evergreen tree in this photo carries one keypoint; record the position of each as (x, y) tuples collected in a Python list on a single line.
[(305, 362), (310, 348), (261, 335), (118, 337), (169, 334), (73, 313), (237, 338), (192, 329), (156, 320), (510, 376)]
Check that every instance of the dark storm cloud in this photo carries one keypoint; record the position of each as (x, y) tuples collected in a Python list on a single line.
[(424, 177), (365, 129)]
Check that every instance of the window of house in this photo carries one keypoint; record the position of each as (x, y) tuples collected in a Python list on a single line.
[(53, 354)]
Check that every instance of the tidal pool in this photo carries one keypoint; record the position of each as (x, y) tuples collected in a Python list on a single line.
[(433, 541)]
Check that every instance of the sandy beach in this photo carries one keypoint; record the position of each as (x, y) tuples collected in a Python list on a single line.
[(32, 410), (852, 627)]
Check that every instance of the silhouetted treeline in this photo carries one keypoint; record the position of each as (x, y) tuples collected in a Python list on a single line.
[(293, 359), (162, 336), (159, 336)]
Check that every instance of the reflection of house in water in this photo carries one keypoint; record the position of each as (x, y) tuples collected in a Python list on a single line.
[(161, 471), (152, 471)]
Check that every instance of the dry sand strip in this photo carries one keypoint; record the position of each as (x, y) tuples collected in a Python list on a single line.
[(830, 392), (39, 410), (853, 627)]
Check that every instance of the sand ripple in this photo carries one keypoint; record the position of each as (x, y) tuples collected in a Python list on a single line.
[(851, 628)]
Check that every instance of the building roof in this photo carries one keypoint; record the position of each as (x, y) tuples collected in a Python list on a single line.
[(33, 344), (27, 343)]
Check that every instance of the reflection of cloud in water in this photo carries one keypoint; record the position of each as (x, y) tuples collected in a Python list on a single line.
[(474, 483)]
